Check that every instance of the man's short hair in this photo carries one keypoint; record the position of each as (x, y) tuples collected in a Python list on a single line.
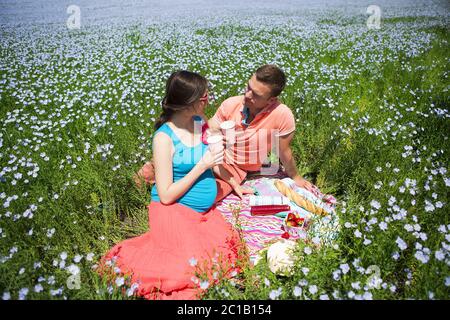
[(273, 76)]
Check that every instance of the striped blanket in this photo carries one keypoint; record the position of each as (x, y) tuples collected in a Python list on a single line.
[(260, 231)]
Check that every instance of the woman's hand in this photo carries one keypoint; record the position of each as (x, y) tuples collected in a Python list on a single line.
[(211, 159), (241, 190)]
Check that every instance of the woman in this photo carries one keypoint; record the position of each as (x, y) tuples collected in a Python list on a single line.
[(185, 228)]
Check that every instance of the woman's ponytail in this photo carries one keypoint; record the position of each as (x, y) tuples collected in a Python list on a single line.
[(165, 115)]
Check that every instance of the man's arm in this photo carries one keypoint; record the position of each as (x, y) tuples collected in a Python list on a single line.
[(288, 161), (213, 124)]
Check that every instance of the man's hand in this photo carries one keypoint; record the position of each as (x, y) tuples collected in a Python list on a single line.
[(302, 183)]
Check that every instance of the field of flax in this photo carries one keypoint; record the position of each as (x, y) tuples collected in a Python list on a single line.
[(77, 109)]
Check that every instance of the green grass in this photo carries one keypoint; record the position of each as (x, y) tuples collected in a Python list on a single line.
[(341, 157)]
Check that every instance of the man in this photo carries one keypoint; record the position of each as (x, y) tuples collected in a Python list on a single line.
[(260, 120)]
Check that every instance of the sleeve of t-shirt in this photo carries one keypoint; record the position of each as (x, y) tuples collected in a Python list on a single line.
[(221, 114), (286, 122)]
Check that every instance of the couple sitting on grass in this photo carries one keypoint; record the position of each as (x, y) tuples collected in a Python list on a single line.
[(185, 227)]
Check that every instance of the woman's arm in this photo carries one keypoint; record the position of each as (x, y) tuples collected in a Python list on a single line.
[(169, 191)]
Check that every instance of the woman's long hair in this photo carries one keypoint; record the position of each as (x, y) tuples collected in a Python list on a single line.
[(183, 90)]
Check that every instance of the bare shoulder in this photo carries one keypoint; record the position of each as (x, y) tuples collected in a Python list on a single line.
[(162, 141)]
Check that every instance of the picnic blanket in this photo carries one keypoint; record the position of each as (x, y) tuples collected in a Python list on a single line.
[(260, 231)]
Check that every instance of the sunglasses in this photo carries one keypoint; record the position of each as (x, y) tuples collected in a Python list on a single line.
[(254, 95)]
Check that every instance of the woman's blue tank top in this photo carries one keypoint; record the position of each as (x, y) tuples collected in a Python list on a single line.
[(200, 197)]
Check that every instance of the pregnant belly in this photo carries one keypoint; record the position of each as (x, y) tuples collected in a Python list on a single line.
[(202, 194)]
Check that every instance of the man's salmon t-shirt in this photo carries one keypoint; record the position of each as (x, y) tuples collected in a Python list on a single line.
[(254, 140)]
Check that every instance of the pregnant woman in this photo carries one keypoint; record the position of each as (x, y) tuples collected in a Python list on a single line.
[(185, 228)]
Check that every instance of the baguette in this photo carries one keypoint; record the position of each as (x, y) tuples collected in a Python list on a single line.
[(299, 199)]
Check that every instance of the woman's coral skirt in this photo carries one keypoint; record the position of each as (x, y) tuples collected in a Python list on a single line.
[(163, 260)]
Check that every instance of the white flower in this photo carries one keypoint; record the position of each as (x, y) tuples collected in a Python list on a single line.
[(447, 182), (73, 269), (313, 289), (356, 285), (56, 292), (439, 255), (120, 281), (375, 204), (266, 282), (401, 244), (447, 281), (50, 232), (429, 207), (6, 296), (77, 258), (192, 262), (421, 256), (89, 256), (383, 225), (274, 294), (38, 288), (194, 279), (204, 285), (63, 255), (23, 293), (358, 234), (297, 291), (367, 296), (324, 297), (395, 256), (345, 268), (303, 282), (307, 250), (336, 274), (130, 292)]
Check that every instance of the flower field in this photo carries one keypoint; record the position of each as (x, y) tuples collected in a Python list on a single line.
[(77, 108)]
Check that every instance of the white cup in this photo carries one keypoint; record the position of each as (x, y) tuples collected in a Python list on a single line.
[(228, 130), (215, 142)]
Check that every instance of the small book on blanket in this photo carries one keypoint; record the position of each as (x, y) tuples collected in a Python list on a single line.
[(267, 205), (268, 200)]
